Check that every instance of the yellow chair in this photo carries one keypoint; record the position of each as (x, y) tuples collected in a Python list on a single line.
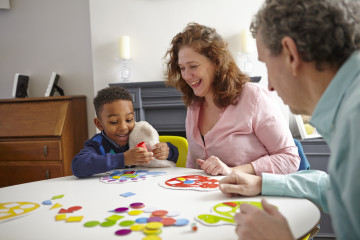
[(182, 144)]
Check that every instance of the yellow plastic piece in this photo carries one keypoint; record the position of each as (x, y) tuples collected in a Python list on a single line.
[(60, 217), (75, 219), (182, 144), (57, 205)]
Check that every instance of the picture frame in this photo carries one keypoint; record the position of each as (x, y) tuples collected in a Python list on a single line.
[(53, 86), (305, 129), (20, 87)]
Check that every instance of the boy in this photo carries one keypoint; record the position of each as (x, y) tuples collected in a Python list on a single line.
[(109, 149)]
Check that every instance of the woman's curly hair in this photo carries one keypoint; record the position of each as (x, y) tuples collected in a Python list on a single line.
[(204, 40)]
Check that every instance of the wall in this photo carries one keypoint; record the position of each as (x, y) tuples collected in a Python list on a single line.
[(41, 36), (151, 24)]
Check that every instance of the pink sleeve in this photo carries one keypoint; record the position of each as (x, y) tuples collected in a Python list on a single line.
[(269, 126)]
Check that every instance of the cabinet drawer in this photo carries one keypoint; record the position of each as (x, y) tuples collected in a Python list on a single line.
[(16, 173), (30, 151)]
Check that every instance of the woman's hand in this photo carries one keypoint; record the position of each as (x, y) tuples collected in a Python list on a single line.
[(214, 166)]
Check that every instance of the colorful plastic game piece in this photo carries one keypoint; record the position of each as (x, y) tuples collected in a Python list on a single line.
[(168, 221), (173, 214), (152, 237), (56, 205), (126, 223), (123, 232), (74, 219), (121, 209), (142, 144), (108, 223), (47, 202), (13, 210), (223, 213), (58, 197), (60, 217), (137, 205), (191, 182), (128, 194), (154, 225), (135, 212), (114, 217), (152, 231), (155, 219), (194, 227), (91, 224), (159, 213), (181, 222), (137, 227), (141, 220)]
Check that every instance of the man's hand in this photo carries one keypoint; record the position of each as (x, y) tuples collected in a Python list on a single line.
[(256, 224), (240, 183)]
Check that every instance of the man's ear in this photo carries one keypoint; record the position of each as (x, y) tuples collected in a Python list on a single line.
[(98, 124), (293, 58)]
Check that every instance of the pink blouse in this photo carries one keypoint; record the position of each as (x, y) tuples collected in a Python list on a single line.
[(253, 131)]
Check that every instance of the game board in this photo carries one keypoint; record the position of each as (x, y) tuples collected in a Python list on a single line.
[(191, 182), (223, 213), (129, 175), (11, 210)]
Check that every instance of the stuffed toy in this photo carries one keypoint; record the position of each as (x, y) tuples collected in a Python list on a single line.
[(144, 132)]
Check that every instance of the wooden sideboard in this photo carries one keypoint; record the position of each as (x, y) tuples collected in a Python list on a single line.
[(39, 137)]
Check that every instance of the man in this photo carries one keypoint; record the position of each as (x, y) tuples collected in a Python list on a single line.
[(311, 51)]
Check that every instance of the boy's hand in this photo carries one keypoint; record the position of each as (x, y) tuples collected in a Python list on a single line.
[(161, 151), (137, 156)]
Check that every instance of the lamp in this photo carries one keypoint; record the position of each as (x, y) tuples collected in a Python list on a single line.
[(246, 55), (124, 57)]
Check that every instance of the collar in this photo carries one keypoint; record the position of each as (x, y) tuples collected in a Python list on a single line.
[(111, 141), (324, 115)]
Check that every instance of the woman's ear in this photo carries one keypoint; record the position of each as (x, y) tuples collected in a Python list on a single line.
[(293, 58), (98, 124)]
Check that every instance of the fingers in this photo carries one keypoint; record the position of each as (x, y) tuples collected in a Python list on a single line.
[(161, 151), (213, 166), (231, 189), (271, 209), (200, 162)]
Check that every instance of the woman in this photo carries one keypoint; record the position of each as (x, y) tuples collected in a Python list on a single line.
[(231, 123)]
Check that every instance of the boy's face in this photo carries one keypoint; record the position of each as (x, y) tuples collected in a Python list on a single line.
[(117, 119)]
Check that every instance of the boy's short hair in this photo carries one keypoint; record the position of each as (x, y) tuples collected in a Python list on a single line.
[(108, 95)]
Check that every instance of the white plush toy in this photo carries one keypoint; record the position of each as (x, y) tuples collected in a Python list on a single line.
[(144, 132)]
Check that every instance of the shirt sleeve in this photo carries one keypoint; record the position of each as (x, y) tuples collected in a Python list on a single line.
[(89, 161), (309, 184), (271, 130), (173, 153)]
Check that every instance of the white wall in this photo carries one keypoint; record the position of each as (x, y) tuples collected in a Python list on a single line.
[(41, 36), (151, 25)]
